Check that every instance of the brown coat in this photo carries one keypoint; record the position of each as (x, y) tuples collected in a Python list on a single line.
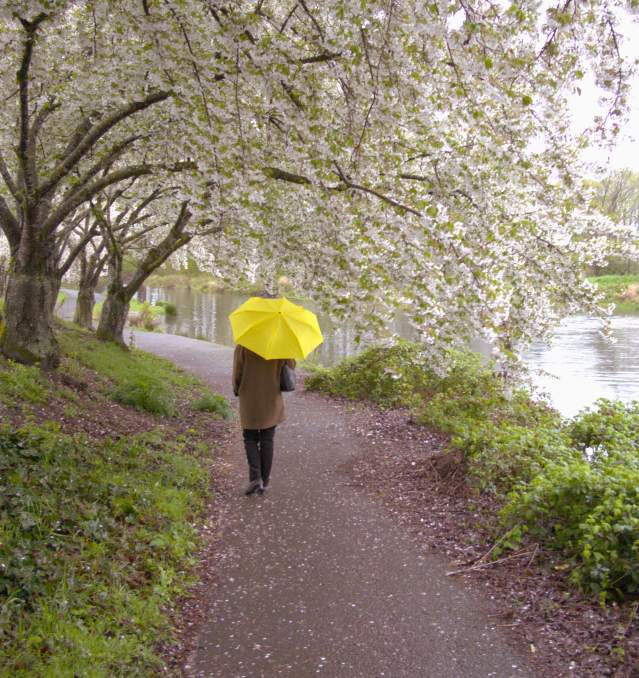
[(257, 382)]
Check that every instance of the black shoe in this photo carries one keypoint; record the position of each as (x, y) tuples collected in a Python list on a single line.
[(262, 489), (253, 486)]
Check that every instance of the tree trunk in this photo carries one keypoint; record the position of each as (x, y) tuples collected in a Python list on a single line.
[(90, 271), (114, 314), (32, 289), (85, 302), (55, 292), (3, 275)]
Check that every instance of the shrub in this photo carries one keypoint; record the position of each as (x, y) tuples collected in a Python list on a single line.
[(145, 393), (143, 317), (591, 514), (608, 430), (501, 455), (169, 308), (470, 392), (214, 402), (390, 377)]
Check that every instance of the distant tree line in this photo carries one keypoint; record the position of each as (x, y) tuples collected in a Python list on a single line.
[(617, 197)]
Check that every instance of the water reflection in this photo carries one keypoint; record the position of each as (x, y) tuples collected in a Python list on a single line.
[(204, 315), (577, 367), (582, 366)]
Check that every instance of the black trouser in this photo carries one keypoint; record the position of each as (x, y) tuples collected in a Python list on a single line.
[(259, 452)]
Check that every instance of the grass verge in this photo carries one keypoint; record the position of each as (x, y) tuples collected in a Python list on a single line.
[(99, 504)]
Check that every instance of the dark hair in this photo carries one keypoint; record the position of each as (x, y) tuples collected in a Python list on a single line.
[(265, 295)]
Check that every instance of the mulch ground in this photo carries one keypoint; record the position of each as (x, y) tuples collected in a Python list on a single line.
[(566, 633)]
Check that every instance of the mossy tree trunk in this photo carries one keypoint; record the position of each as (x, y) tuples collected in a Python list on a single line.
[(32, 290), (3, 275)]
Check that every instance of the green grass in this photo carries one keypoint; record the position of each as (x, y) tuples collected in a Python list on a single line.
[(621, 291), (22, 384), (213, 402), (129, 376), (97, 536)]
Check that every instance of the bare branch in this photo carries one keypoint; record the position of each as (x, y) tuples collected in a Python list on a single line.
[(95, 133), (24, 150), (8, 179)]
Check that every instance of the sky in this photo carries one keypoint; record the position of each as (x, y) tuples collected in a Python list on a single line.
[(625, 154)]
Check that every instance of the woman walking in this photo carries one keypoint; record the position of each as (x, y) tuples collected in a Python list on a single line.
[(257, 383)]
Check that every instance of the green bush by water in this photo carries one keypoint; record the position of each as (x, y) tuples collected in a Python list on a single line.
[(390, 377), (170, 309)]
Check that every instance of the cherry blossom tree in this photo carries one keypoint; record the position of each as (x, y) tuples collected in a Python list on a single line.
[(392, 154)]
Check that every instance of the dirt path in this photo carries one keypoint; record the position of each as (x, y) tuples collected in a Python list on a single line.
[(315, 579)]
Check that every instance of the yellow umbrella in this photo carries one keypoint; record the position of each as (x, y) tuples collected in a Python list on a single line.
[(275, 328)]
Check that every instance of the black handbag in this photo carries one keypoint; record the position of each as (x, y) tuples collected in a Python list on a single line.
[(287, 378)]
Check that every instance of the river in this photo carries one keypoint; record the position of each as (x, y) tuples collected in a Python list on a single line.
[(577, 367)]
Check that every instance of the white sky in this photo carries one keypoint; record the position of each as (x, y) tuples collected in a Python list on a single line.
[(626, 150)]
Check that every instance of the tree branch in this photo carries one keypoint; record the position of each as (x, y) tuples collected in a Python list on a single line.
[(9, 224), (157, 255), (8, 179), (326, 56), (40, 118), (377, 194), (312, 17), (103, 164), (24, 149), (282, 175), (82, 243), (90, 190), (95, 133)]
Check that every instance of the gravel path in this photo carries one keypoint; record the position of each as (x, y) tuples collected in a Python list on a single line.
[(315, 579)]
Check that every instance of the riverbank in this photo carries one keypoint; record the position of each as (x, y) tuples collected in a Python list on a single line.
[(620, 290), (110, 468), (546, 551)]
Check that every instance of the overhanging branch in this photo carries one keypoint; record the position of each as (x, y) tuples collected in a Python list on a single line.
[(94, 134)]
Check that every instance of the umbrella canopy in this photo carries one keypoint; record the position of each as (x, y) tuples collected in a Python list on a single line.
[(275, 328)]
